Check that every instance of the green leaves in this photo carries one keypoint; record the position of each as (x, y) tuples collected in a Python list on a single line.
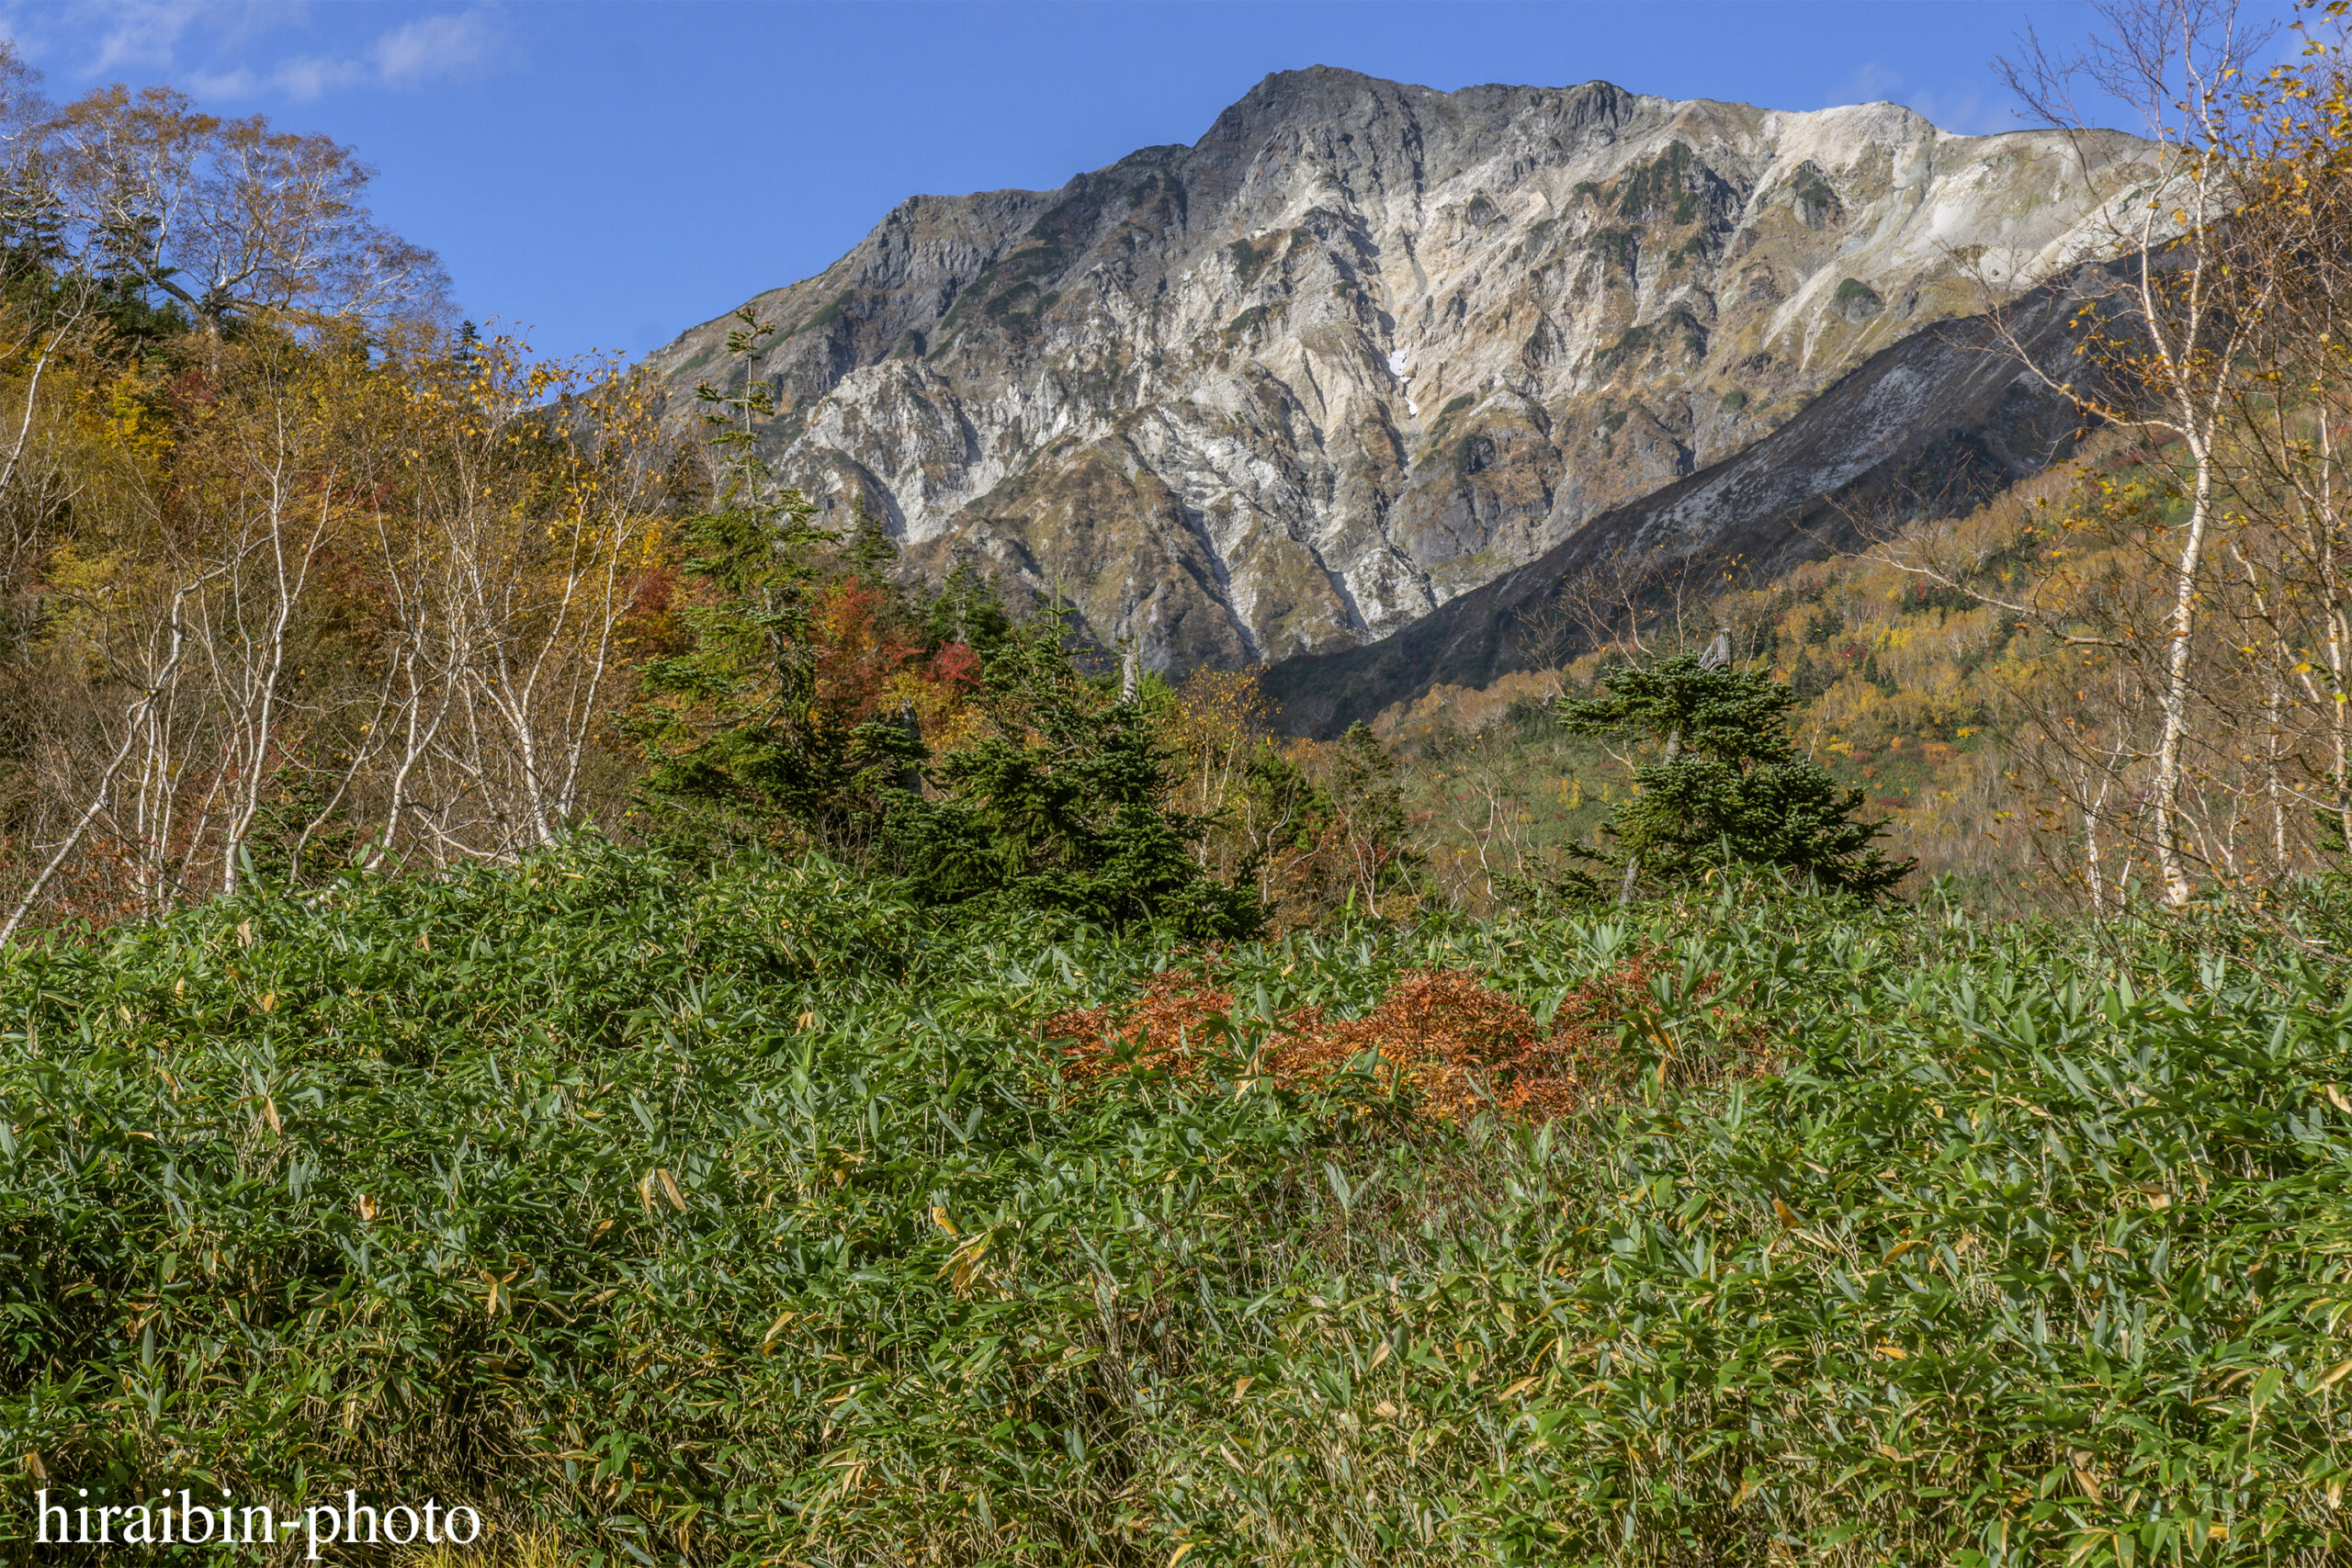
[(740, 1215), (1728, 789)]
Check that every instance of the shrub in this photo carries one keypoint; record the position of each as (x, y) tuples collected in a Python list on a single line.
[(1857, 300), (1727, 788)]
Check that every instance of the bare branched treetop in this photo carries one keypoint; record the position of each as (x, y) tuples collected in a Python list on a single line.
[(223, 215)]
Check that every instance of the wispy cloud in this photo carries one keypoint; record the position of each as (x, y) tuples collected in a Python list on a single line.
[(433, 46), (1961, 109), (1966, 111), (239, 82), (221, 49), (305, 77), (1870, 82), (140, 32)]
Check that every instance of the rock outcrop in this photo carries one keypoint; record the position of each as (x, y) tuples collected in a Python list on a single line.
[(1366, 347), (1932, 424)]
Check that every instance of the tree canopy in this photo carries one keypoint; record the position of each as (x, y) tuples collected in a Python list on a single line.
[(1727, 787)]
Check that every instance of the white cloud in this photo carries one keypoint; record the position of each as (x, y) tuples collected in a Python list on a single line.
[(430, 47), (1961, 109), (1968, 112), (140, 32), (212, 46), (241, 82), (303, 77), (1870, 82)]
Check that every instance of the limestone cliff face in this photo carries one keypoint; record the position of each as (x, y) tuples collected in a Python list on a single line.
[(1366, 346)]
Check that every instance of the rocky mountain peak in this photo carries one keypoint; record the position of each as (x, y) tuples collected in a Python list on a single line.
[(1367, 345)]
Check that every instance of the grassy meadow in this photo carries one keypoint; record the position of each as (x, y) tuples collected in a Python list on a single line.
[(678, 1215)]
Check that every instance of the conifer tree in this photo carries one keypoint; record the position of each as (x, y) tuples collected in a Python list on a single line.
[(1725, 785), (739, 746), (1068, 807), (1063, 803)]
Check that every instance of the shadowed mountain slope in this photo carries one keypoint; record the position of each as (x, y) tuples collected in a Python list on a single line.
[(1942, 419)]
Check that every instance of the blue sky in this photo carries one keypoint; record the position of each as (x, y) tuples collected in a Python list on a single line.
[(608, 173)]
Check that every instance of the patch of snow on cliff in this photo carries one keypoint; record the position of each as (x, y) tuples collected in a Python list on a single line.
[(1401, 364)]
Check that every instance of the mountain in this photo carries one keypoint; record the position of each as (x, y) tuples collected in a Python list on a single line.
[(1366, 347), (1934, 423)]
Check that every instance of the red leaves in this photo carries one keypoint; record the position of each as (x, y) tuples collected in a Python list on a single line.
[(954, 665)]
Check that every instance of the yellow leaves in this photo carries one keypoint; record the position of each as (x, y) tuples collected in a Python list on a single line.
[(968, 1264), (669, 1186)]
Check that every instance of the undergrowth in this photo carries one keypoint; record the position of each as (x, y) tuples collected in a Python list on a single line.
[(752, 1216)]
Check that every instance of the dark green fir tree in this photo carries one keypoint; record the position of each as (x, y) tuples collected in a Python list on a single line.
[(1067, 808), (1724, 784), (739, 749)]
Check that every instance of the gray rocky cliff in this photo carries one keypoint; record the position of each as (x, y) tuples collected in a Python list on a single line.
[(1931, 424), (1367, 346)]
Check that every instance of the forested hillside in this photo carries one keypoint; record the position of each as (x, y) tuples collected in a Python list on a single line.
[(1919, 695)]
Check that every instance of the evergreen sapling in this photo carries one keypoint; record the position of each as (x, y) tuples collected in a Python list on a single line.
[(1727, 787)]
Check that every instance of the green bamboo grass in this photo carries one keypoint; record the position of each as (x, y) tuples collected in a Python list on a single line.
[(742, 1216)]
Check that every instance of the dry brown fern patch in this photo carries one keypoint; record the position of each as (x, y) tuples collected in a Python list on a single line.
[(1168, 1028)]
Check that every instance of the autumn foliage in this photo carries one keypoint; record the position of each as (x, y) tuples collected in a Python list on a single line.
[(1450, 1042)]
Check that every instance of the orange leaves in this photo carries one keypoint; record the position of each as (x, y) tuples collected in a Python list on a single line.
[(1450, 1040), (859, 651), (1166, 1029), (224, 215), (1460, 1045), (871, 665)]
